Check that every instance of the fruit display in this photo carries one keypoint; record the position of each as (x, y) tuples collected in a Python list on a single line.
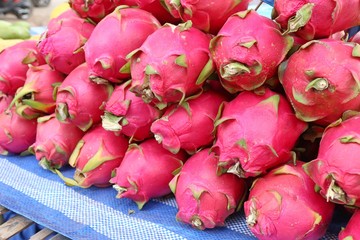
[(210, 102)]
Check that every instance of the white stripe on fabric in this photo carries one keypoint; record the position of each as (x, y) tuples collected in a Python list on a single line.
[(79, 208)]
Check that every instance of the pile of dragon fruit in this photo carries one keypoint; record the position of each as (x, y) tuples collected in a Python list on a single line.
[(210, 101)]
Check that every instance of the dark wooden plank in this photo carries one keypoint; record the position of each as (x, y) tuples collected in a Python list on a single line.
[(42, 234), (13, 226)]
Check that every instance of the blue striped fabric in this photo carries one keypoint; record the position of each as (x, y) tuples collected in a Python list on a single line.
[(95, 213)]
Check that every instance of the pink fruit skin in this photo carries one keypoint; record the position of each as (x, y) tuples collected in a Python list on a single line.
[(156, 8), (208, 16), (245, 57), (146, 171), (352, 230), (75, 101), (336, 67), (133, 116), (55, 141), (246, 149), (189, 126), (37, 93), (61, 45), (14, 65), (327, 17), (167, 66), (355, 38), (335, 170), (97, 154), (283, 205), (126, 27), (16, 133), (205, 199), (5, 101)]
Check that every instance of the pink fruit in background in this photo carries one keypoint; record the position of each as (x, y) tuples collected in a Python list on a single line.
[(335, 171), (36, 97), (146, 171), (352, 230), (95, 156), (15, 62), (188, 126), (129, 114), (16, 133), (256, 132), (311, 19), (172, 63), (245, 56), (321, 80), (55, 141), (5, 101), (355, 38), (80, 100), (127, 28), (208, 16), (283, 205), (156, 8), (61, 45), (205, 199)]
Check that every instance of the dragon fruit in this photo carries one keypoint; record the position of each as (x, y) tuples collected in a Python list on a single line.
[(36, 97), (16, 133), (283, 205), (61, 45), (245, 57), (321, 80), (335, 171), (188, 126), (205, 199), (355, 38), (351, 231), (55, 141), (311, 19), (80, 100), (127, 28), (95, 156), (208, 16), (95, 10), (5, 101), (15, 62), (243, 147), (146, 171), (156, 8), (129, 114), (172, 63)]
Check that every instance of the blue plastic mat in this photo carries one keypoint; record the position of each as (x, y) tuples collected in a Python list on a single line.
[(95, 213)]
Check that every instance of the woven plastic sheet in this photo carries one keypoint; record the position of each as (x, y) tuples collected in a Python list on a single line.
[(95, 213)]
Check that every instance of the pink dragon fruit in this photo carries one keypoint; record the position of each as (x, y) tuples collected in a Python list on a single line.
[(244, 148), (355, 38), (81, 101), (36, 97), (352, 230), (321, 80), (15, 62), (55, 141), (62, 43), (95, 156), (283, 205), (311, 19), (127, 28), (96, 10), (335, 170), (245, 57), (205, 199), (208, 16), (146, 171), (156, 8), (5, 101), (172, 63), (129, 114), (188, 126), (16, 133)]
